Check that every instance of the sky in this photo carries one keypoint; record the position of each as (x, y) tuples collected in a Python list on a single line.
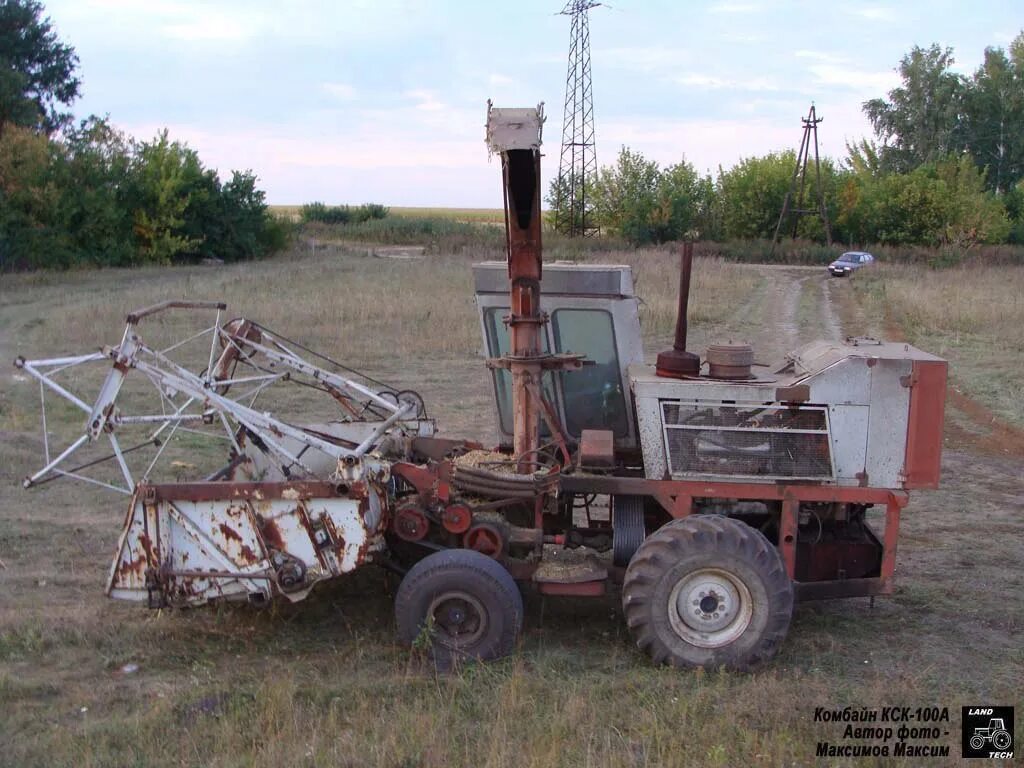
[(384, 101)]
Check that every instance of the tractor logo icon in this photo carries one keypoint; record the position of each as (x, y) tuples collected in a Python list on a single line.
[(987, 732), (995, 732)]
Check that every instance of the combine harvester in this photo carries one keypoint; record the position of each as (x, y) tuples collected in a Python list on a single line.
[(715, 496)]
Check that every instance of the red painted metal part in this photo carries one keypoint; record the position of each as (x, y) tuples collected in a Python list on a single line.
[(788, 524), (924, 428), (457, 518), (430, 482), (676, 497)]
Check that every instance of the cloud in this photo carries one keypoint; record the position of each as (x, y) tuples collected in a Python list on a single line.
[(341, 91), (642, 59), (180, 20), (710, 82), (831, 58), (873, 12), (734, 8), (871, 83), (500, 81), (426, 100)]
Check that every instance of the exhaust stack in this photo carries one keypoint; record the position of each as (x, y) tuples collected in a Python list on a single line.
[(677, 363), (515, 135)]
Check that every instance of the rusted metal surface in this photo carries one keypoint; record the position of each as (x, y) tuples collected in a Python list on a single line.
[(678, 362), (597, 448), (488, 538), (191, 548), (515, 134), (730, 361), (517, 138), (409, 523)]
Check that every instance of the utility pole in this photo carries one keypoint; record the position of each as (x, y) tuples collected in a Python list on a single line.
[(800, 171), (578, 162)]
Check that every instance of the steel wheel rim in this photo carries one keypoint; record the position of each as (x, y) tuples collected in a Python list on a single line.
[(710, 608), (459, 619)]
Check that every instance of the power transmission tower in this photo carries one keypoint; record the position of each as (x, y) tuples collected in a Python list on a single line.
[(810, 129), (578, 162)]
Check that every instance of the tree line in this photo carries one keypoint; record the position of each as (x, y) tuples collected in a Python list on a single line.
[(87, 194), (945, 169)]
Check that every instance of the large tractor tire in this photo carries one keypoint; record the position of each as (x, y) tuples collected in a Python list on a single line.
[(708, 591), (461, 605)]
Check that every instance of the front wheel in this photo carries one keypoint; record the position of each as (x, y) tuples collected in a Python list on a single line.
[(708, 591), (460, 604)]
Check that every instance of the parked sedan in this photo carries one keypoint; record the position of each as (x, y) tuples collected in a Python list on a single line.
[(849, 262)]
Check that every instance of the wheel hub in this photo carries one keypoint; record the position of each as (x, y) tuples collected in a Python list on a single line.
[(459, 618), (710, 608)]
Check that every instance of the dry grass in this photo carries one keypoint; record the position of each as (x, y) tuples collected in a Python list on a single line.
[(322, 683), (974, 316)]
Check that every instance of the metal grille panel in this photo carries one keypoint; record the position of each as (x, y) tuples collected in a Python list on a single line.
[(766, 442)]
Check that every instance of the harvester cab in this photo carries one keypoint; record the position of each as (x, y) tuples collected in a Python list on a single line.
[(592, 310)]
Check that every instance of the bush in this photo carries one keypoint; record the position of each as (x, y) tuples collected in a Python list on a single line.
[(95, 197)]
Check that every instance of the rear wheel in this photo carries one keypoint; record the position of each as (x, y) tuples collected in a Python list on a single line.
[(708, 591), (1001, 740), (462, 605)]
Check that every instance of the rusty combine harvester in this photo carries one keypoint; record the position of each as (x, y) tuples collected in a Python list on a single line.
[(716, 498)]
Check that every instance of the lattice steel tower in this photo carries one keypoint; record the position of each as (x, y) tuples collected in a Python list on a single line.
[(578, 162)]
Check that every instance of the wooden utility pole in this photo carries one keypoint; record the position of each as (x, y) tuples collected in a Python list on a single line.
[(800, 171)]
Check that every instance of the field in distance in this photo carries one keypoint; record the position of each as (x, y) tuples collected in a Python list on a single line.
[(472, 215)]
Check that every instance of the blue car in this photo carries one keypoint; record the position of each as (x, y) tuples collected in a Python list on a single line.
[(849, 262)]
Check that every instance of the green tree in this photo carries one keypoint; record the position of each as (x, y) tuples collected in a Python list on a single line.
[(164, 175), (920, 121), (37, 71), (994, 115), (973, 215), (92, 164), (643, 203), (752, 193), (30, 232), (625, 196)]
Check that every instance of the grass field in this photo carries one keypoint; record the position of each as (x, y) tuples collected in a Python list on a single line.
[(323, 683)]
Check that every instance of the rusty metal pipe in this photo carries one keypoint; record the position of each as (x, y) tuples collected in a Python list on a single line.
[(685, 269), (677, 363)]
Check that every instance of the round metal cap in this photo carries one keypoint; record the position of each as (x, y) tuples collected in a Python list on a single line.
[(677, 364), (730, 361)]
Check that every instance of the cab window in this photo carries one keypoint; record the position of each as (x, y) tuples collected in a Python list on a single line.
[(593, 395)]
